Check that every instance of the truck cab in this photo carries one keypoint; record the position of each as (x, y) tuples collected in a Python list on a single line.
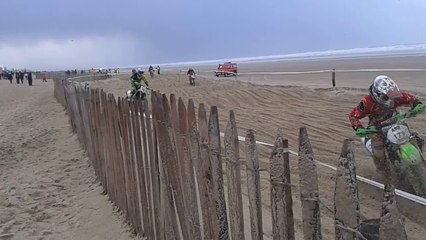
[(226, 69)]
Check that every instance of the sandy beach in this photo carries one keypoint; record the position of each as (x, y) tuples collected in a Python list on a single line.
[(49, 190), (288, 103)]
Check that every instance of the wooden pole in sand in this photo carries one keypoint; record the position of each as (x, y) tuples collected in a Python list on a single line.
[(309, 194), (391, 221), (188, 173), (232, 153), (346, 202), (281, 200), (201, 159), (333, 77), (253, 183), (168, 158), (217, 174), (153, 164)]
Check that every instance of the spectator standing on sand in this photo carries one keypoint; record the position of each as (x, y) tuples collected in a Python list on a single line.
[(21, 76), (17, 77), (158, 70), (30, 78), (9, 76)]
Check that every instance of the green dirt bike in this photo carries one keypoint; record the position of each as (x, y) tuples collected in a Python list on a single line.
[(405, 164)]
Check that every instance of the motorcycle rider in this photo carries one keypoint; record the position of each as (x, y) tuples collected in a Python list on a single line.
[(380, 105), (191, 75), (136, 80)]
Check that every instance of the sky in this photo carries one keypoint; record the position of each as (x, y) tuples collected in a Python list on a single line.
[(68, 34)]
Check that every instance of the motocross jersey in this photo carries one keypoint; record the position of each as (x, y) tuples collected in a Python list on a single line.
[(136, 80), (376, 113)]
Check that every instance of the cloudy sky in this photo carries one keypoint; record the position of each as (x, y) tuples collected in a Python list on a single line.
[(61, 34)]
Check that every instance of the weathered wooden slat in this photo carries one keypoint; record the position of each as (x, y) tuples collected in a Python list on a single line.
[(179, 174), (217, 174), (188, 174), (119, 163), (125, 147), (234, 179), (146, 168), (143, 229), (95, 128), (102, 139), (133, 167), (391, 221), (153, 169), (201, 153), (281, 200), (109, 161), (141, 154), (168, 156), (253, 184), (346, 201), (88, 125), (309, 189), (80, 104), (164, 195)]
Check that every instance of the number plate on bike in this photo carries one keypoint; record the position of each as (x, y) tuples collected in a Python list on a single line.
[(398, 134)]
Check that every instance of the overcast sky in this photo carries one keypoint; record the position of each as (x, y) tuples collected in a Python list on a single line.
[(61, 34)]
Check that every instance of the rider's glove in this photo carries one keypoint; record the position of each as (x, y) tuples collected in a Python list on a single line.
[(420, 108), (361, 131), (399, 117)]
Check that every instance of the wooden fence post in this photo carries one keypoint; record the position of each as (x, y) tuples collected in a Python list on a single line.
[(309, 189), (128, 162), (200, 143), (333, 77), (346, 202), (168, 163), (188, 173), (253, 185), (119, 162), (232, 153), (141, 192), (281, 199), (109, 153), (391, 221), (217, 174), (179, 175), (163, 187), (154, 171), (144, 167), (102, 140)]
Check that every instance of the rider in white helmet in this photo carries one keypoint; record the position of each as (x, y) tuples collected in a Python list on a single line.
[(380, 105)]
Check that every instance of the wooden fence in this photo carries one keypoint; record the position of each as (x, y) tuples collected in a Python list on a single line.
[(162, 163)]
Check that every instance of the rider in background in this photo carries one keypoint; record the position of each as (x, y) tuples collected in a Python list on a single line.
[(380, 105), (136, 80), (191, 74), (142, 77)]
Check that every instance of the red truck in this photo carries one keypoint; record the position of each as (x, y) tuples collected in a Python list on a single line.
[(226, 69)]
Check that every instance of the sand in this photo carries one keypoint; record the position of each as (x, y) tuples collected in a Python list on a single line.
[(48, 190), (264, 108)]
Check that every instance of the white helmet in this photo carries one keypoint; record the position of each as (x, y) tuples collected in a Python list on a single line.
[(384, 91)]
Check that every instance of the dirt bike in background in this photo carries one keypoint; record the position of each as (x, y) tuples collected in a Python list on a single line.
[(141, 94), (405, 163), (192, 79)]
